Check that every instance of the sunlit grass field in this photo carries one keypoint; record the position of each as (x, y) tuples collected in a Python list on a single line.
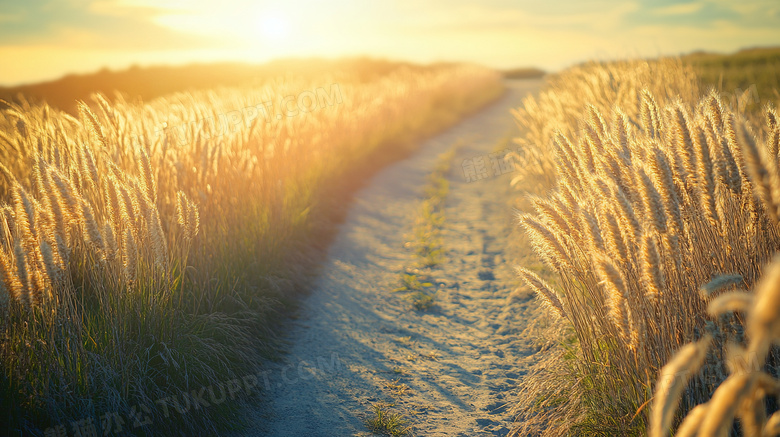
[(747, 78), (654, 195), (148, 250)]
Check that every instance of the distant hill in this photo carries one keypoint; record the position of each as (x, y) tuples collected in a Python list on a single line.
[(523, 73), (149, 82), (746, 56)]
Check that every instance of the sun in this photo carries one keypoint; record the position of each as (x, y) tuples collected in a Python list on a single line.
[(274, 26)]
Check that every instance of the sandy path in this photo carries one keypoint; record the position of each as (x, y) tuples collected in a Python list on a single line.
[(462, 359)]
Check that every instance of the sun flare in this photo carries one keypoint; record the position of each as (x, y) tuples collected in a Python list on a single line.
[(274, 26)]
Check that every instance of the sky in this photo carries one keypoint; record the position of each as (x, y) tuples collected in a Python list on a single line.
[(45, 39)]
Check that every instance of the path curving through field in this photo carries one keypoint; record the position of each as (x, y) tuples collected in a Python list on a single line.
[(450, 370)]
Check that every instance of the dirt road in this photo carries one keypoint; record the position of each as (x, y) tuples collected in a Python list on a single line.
[(451, 370)]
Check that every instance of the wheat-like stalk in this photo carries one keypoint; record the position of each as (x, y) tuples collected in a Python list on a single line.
[(650, 114), (25, 292), (683, 142), (546, 243), (91, 228), (543, 291), (24, 215), (690, 426), (187, 216), (652, 274), (93, 123), (664, 180), (772, 426), (53, 270), (129, 256), (735, 301), (147, 176), (592, 230), (773, 128), (616, 293), (653, 203), (706, 176), (159, 246), (671, 383), (725, 403), (764, 322), (720, 283), (193, 221), (615, 243), (11, 281)]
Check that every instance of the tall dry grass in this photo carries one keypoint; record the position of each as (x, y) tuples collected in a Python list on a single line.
[(560, 104), (138, 264), (657, 190)]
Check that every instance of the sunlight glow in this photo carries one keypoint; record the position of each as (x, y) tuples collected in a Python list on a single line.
[(274, 26), (498, 33)]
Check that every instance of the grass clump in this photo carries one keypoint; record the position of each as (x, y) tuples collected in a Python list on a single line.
[(397, 388), (427, 243), (422, 301), (653, 197), (430, 220), (386, 422), (420, 294)]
